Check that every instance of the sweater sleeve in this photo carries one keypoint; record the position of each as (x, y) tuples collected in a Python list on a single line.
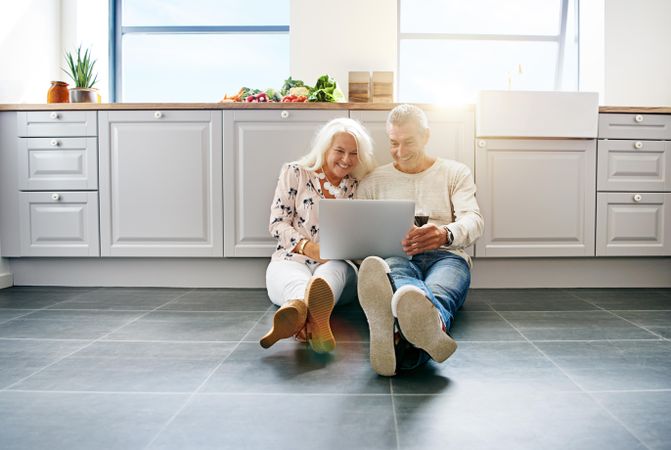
[(468, 225), (283, 209)]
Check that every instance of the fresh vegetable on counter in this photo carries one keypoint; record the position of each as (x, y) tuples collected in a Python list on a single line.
[(294, 98), (291, 83), (325, 90)]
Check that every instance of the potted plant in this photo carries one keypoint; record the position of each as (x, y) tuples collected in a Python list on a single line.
[(80, 69)]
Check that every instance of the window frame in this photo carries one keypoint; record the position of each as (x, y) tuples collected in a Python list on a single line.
[(560, 39), (117, 31)]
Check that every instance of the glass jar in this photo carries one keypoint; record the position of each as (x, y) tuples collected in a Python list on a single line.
[(58, 92)]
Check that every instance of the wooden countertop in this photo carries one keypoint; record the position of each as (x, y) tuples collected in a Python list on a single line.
[(636, 109), (202, 106), (271, 106)]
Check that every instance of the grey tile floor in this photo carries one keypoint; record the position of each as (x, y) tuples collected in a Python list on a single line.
[(126, 368)]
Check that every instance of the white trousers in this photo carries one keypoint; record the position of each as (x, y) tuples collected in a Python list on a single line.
[(286, 280)]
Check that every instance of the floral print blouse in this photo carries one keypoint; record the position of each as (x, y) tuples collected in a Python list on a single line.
[(294, 213)]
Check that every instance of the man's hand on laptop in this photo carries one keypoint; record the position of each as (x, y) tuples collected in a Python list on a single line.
[(423, 239)]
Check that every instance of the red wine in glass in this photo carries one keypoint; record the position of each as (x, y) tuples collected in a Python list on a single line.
[(421, 218)]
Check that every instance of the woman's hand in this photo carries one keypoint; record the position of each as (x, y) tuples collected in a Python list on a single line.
[(311, 250), (423, 239)]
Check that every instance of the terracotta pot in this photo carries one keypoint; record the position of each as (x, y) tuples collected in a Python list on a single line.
[(58, 92), (83, 95)]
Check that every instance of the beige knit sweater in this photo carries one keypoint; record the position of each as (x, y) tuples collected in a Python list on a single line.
[(445, 190)]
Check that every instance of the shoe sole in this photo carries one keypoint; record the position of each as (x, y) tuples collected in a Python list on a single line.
[(286, 323), (415, 315), (375, 292), (320, 301)]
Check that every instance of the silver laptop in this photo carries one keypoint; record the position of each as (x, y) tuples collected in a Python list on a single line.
[(355, 229)]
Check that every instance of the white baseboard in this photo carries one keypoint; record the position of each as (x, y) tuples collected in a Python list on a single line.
[(250, 272), (6, 280)]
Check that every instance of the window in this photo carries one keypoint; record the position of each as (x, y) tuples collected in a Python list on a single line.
[(451, 49), (197, 50)]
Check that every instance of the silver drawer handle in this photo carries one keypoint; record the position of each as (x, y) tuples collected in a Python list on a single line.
[(637, 198), (54, 115), (284, 114), (638, 145), (54, 143), (158, 114), (638, 118), (55, 196)]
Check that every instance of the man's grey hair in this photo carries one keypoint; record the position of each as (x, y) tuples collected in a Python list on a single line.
[(404, 114)]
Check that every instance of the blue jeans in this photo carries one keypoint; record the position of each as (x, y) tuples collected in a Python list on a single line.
[(444, 277)]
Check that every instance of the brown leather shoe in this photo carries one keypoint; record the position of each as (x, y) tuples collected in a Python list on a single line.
[(320, 301), (287, 321)]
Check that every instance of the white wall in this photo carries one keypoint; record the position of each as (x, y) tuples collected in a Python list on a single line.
[(591, 54), (624, 52), (30, 49), (34, 35), (638, 52), (336, 38)]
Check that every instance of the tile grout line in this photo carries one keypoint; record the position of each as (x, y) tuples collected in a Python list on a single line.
[(203, 383), (393, 411), (6, 388), (590, 302), (626, 320), (585, 391), (30, 311)]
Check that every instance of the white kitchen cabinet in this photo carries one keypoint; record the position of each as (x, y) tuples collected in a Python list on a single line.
[(56, 123), (634, 165), (58, 163), (537, 197), (161, 183), (633, 224), (634, 126), (58, 223), (48, 192), (634, 182), (257, 144)]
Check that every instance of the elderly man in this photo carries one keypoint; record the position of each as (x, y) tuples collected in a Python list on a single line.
[(410, 303)]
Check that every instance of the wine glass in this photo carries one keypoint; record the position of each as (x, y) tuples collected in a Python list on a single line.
[(421, 216)]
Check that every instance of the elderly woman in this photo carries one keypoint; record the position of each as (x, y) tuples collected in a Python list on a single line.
[(305, 286)]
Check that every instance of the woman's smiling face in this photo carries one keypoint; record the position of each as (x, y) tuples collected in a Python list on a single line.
[(342, 157)]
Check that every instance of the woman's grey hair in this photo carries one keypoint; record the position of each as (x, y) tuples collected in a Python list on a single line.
[(404, 114), (324, 139)]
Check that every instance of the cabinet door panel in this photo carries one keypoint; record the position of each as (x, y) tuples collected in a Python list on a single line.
[(634, 126), (58, 164), (633, 224), (57, 123), (537, 197), (258, 143), (160, 183), (634, 166), (59, 223)]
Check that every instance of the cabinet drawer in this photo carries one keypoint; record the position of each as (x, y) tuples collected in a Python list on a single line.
[(634, 126), (288, 115), (633, 224), (57, 164), (59, 223), (57, 123), (634, 166)]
